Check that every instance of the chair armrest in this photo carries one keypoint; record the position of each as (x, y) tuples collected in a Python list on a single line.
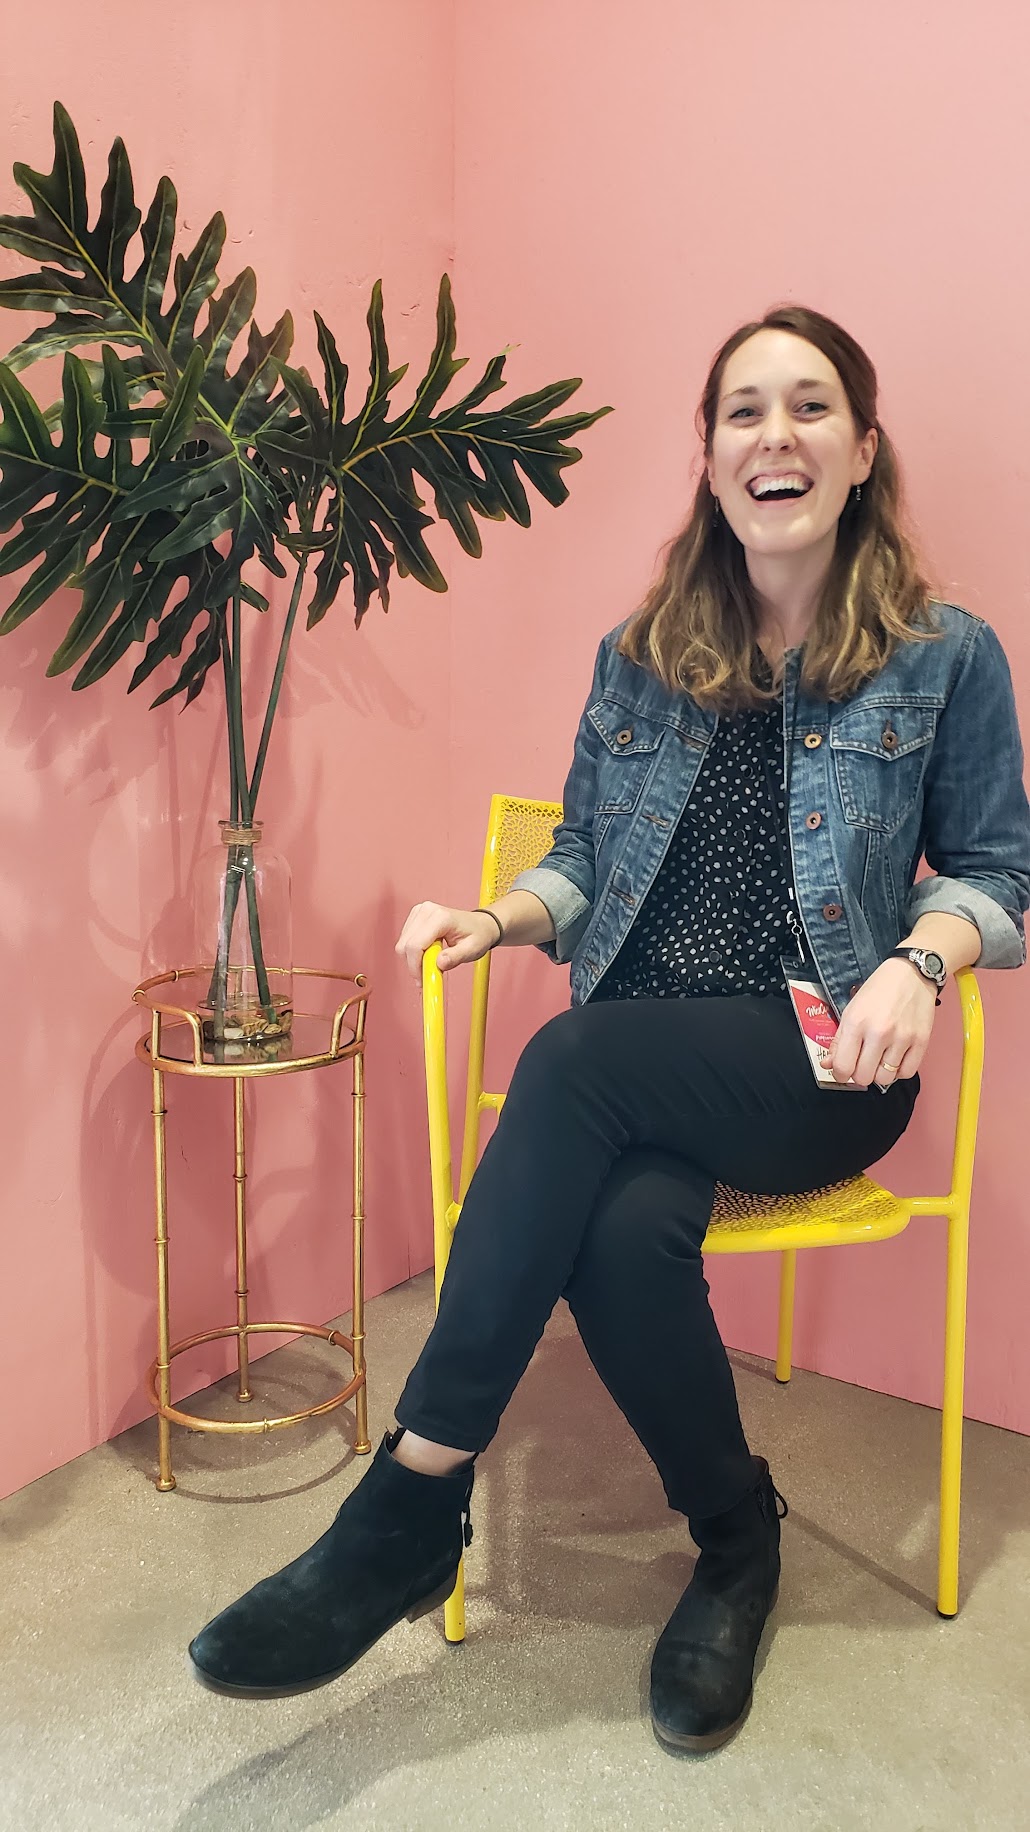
[(434, 1036), (968, 1111)]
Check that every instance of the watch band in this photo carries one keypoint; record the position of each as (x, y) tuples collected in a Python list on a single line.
[(917, 958)]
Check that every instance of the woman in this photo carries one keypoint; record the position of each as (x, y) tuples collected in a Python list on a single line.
[(769, 747)]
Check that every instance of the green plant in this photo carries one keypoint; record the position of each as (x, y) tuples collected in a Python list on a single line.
[(163, 472)]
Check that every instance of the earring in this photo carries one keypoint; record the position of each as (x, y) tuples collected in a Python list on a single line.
[(858, 493), (717, 512)]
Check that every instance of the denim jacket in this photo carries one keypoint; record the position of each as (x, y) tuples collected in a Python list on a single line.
[(925, 759)]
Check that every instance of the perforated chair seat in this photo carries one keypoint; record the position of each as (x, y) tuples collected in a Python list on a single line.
[(856, 1210)]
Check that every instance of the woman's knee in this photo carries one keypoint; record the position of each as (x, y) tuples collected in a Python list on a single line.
[(653, 1210), (555, 1052), (562, 1037)]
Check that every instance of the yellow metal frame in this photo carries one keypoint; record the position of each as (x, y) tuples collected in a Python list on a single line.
[(344, 1042), (518, 835)]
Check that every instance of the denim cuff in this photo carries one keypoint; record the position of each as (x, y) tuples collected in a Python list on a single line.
[(566, 905), (1004, 944)]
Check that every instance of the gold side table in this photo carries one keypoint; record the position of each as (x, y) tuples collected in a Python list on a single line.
[(175, 1046)]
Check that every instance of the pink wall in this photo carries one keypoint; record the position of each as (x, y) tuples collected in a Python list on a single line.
[(631, 184), (619, 190), (330, 174)]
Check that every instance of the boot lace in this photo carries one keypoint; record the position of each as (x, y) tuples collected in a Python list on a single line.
[(780, 1507)]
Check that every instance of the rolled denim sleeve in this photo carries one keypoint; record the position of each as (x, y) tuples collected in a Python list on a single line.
[(564, 879), (976, 819)]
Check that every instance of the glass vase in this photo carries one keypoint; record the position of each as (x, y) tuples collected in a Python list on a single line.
[(244, 945)]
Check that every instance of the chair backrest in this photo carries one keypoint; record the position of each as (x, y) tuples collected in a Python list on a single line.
[(519, 835)]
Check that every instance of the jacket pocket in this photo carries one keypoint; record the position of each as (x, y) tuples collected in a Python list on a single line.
[(626, 756), (880, 754)]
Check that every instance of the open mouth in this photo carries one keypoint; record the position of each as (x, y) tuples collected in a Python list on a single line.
[(787, 488)]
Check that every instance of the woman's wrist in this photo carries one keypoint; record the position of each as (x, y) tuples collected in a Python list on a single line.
[(480, 911), (956, 940), (524, 918)]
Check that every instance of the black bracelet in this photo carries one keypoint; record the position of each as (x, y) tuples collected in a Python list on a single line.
[(479, 911)]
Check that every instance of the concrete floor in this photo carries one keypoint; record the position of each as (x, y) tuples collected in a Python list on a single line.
[(870, 1711)]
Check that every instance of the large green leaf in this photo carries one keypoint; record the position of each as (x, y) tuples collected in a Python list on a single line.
[(476, 464), (77, 498), (94, 285), (84, 283)]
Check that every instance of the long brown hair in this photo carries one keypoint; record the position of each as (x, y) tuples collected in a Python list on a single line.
[(696, 628)]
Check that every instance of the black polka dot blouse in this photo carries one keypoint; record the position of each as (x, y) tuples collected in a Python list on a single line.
[(714, 923)]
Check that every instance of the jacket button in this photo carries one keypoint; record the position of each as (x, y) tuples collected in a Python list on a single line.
[(813, 740), (812, 821), (832, 911), (624, 737), (889, 737), (855, 987)]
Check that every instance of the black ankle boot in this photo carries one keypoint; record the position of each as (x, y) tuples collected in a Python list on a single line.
[(392, 1551), (703, 1666)]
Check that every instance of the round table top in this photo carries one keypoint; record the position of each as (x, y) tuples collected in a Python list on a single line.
[(315, 1039)]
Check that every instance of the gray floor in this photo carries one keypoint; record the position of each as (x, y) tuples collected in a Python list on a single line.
[(870, 1711)]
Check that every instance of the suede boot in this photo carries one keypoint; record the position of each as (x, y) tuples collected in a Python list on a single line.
[(703, 1667), (392, 1551)]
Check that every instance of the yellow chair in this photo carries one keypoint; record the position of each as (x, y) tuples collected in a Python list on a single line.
[(518, 836)]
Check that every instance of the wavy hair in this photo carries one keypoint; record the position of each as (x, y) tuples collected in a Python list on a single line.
[(697, 626)]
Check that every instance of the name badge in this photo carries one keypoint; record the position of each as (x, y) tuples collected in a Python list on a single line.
[(818, 1021)]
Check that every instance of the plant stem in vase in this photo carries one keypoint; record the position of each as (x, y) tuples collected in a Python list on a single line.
[(245, 1008)]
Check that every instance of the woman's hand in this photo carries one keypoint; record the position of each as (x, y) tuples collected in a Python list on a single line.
[(468, 934), (885, 1028)]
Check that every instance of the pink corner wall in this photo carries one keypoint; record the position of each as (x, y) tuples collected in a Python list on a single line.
[(631, 183), (611, 192)]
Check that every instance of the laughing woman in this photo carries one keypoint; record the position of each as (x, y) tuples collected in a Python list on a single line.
[(769, 748)]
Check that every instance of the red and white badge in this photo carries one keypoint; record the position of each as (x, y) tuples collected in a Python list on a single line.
[(818, 1022)]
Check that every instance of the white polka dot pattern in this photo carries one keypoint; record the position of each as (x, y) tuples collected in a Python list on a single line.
[(714, 921)]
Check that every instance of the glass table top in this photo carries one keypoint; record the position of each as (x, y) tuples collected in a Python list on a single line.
[(308, 1042)]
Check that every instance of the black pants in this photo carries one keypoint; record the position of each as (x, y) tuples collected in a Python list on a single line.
[(598, 1184)]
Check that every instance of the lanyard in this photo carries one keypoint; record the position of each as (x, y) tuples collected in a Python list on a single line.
[(797, 932)]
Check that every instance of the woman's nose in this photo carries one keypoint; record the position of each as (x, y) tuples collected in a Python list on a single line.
[(777, 430)]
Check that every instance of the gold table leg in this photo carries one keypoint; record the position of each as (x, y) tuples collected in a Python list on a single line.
[(243, 1390), (165, 1479), (362, 1442)]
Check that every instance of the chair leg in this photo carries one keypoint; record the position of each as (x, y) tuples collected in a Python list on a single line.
[(785, 1336), (454, 1610), (952, 1415)]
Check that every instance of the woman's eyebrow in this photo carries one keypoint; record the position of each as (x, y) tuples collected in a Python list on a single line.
[(807, 381)]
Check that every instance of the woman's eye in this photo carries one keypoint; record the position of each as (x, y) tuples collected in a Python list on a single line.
[(807, 408)]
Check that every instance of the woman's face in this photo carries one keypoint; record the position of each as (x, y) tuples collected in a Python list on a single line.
[(785, 449)]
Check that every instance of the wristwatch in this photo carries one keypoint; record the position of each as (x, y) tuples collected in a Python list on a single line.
[(930, 965)]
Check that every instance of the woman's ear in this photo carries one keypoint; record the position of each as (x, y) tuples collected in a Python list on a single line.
[(867, 452)]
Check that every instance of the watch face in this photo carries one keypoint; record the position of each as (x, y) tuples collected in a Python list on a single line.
[(934, 964)]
